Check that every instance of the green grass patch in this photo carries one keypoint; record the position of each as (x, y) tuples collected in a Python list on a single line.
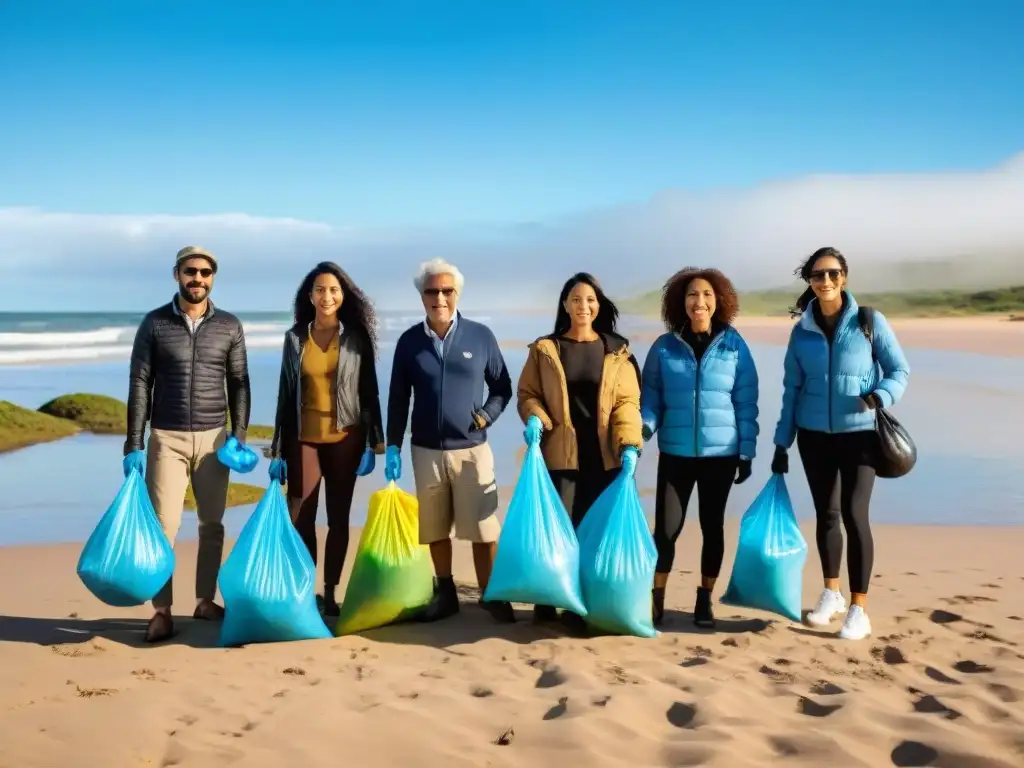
[(22, 427), (239, 494), (949, 303), (95, 413)]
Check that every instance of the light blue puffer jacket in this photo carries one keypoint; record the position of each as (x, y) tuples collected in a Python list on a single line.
[(705, 411), (823, 387)]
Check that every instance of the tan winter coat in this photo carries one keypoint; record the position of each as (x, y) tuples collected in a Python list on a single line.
[(542, 392)]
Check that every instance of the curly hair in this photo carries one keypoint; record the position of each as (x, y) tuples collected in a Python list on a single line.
[(673, 297), (356, 309)]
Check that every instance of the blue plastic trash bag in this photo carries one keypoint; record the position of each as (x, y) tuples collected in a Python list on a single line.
[(617, 561), (127, 559), (538, 558), (268, 580), (240, 458), (768, 572)]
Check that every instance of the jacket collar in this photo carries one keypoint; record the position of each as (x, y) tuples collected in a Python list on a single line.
[(176, 308), (613, 343), (808, 323)]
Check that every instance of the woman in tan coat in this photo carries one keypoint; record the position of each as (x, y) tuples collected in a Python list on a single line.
[(579, 396)]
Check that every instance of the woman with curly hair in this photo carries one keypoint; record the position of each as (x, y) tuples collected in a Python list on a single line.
[(328, 423), (700, 397), (835, 379)]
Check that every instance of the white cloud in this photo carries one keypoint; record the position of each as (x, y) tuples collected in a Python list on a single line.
[(757, 235)]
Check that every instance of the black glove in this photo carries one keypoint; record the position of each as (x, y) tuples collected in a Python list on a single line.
[(743, 472), (780, 462)]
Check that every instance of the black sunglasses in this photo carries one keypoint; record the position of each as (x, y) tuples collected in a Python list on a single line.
[(193, 271), (438, 291), (818, 276)]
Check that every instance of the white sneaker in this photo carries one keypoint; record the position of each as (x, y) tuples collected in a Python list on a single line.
[(830, 603), (857, 625)]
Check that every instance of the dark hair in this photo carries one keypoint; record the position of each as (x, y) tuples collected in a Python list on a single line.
[(804, 273), (607, 316), (673, 297), (356, 310)]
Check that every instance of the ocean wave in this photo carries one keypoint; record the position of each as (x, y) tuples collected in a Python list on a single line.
[(97, 352)]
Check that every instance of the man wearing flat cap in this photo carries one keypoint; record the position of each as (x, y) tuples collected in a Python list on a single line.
[(188, 370)]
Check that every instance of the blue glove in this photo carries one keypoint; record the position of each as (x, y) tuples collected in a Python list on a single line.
[(367, 463), (392, 463), (135, 460), (533, 430), (278, 471), (629, 456), (236, 456)]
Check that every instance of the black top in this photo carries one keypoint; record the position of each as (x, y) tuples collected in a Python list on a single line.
[(700, 342), (828, 324), (177, 378), (583, 362)]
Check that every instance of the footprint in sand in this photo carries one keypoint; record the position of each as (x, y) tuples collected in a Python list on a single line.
[(693, 661), (1015, 618), (826, 688), (929, 705), (969, 667), (1004, 693), (682, 715), (600, 701), (777, 675), (811, 708), (481, 692), (550, 677), (940, 677), (913, 754), (558, 710), (890, 654)]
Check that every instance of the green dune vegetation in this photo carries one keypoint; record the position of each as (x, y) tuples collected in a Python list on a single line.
[(21, 427), (937, 303), (83, 412), (94, 413)]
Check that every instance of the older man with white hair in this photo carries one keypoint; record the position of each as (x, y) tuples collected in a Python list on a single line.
[(444, 364)]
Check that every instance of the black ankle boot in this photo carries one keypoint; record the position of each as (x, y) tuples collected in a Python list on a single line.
[(445, 602), (703, 616), (658, 606)]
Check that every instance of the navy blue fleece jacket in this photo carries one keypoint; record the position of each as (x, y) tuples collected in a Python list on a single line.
[(447, 392)]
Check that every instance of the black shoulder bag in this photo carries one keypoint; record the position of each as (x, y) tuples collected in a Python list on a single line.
[(897, 453)]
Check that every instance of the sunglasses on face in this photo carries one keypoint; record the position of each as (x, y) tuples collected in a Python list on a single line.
[(434, 292), (193, 271), (818, 276)]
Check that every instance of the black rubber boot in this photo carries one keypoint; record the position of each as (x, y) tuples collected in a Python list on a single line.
[(703, 616), (658, 606), (545, 614), (501, 610), (445, 602)]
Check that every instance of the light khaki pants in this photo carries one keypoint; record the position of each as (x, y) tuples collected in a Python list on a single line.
[(172, 459), (456, 488)]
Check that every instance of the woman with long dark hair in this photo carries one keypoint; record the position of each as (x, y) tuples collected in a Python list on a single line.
[(835, 378), (328, 425), (700, 397), (579, 396)]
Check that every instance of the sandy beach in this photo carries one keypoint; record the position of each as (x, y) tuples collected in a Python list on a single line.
[(941, 682)]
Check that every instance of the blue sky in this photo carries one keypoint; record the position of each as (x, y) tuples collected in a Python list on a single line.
[(487, 119)]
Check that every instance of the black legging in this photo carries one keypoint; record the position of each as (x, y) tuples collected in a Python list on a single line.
[(841, 476), (579, 489), (677, 475)]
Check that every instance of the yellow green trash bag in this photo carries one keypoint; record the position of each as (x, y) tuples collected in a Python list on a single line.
[(392, 576)]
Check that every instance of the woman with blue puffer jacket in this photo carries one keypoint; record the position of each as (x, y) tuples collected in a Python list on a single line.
[(835, 378), (699, 395)]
